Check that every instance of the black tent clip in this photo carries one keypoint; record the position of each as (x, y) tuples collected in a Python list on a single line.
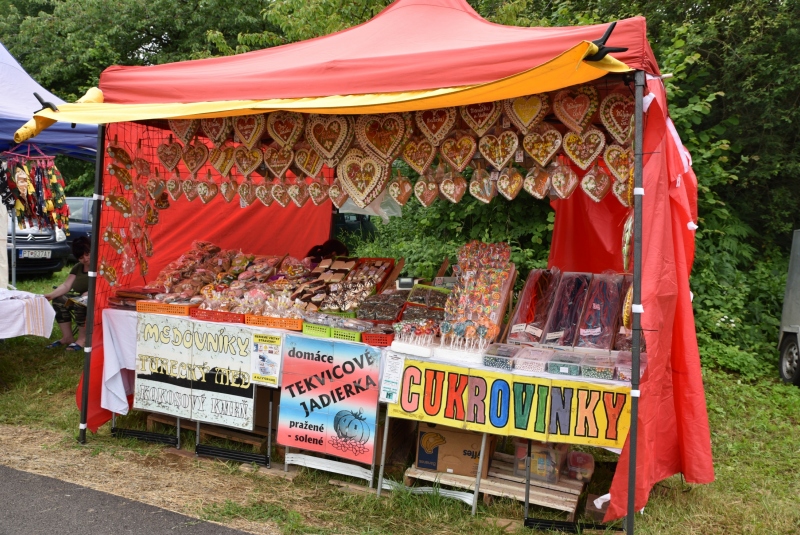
[(44, 104), (604, 50)]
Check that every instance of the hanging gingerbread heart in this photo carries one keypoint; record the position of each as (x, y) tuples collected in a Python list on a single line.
[(619, 161), (248, 192), (285, 127), (435, 124), (563, 179), (337, 193), (207, 190), (228, 189), (381, 135), (280, 195), (170, 154), (509, 183), (453, 188), (155, 186), (575, 107), (527, 112), (362, 176), (263, 193), (217, 129), (458, 150), (616, 114), (185, 129), (298, 193), (308, 161), (162, 201), (537, 182), (195, 155), (247, 159), (481, 117), (426, 191), (583, 149), (620, 190), (400, 190), (120, 155), (596, 183), (122, 175), (419, 154), (142, 167), (174, 188), (249, 129), (189, 187), (278, 159), (329, 135), (318, 192), (542, 143), (482, 187), (498, 150), (221, 159)]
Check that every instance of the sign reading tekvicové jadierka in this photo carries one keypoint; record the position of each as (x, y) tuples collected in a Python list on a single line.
[(192, 369)]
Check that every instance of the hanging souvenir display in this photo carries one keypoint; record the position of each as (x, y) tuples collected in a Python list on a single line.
[(435, 124), (596, 183), (509, 183), (162, 201), (222, 159), (279, 193), (207, 189), (381, 135), (575, 107), (122, 175), (195, 156), (419, 154), (119, 203), (453, 187), (218, 129), (141, 165), (537, 182), (627, 243), (184, 129), (308, 161), (189, 187), (147, 244), (458, 150), (120, 155), (361, 175), (400, 189), (599, 321), (128, 263), (426, 190), (330, 136), (318, 191), (278, 159), (249, 129), (482, 187), (262, 192), (285, 127), (620, 190), (247, 159), (619, 161), (527, 112), (583, 149), (155, 187), (228, 189), (169, 154), (616, 114), (337, 194), (298, 192), (563, 178), (480, 117), (108, 272), (136, 230), (499, 149), (60, 213), (150, 215), (542, 143), (174, 186)]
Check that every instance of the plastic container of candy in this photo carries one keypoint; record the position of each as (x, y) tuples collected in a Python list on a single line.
[(565, 364), (532, 360), (580, 465), (624, 365), (500, 356), (598, 366)]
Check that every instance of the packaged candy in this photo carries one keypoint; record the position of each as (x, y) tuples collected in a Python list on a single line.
[(500, 356), (533, 360), (624, 365), (565, 364), (562, 323), (601, 312), (598, 366), (530, 317), (548, 461), (580, 465)]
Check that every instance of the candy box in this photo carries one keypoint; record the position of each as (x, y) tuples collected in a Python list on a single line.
[(598, 366), (548, 461), (580, 465), (533, 360), (625, 363), (500, 356), (565, 364), (452, 451)]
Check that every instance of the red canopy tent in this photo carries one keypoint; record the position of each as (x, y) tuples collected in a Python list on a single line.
[(420, 54)]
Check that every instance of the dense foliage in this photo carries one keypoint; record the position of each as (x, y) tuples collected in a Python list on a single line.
[(734, 99)]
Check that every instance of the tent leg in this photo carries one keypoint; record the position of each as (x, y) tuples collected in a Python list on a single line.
[(96, 205), (383, 451), (478, 476), (527, 480), (638, 184), (13, 247)]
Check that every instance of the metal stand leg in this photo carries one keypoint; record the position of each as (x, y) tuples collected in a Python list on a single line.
[(269, 430), (383, 451), (478, 476), (178, 434), (528, 479), (197, 437), (285, 461)]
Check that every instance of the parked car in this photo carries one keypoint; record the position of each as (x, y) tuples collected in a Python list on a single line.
[(789, 365), (39, 250), (80, 220)]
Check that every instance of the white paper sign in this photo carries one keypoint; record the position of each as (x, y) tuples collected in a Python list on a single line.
[(266, 359), (393, 364)]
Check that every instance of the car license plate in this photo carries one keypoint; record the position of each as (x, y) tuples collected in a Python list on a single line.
[(32, 253)]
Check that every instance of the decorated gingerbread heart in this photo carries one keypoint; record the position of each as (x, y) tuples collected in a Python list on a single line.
[(308, 161), (482, 187), (195, 155), (362, 176), (498, 150), (249, 129), (537, 182), (619, 161), (142, 167), (509, 183), (264, 194), (247, 160), (458, 150), (400, 190), (285, 127), (426, 191), (337, 194), (596, 183), (222, 160), (218, 129), (622, 192), (318, 192), (542, 143), (481, 117), (278, 159), (381, 135), (453, 188), (298, 193), (280, 194), (563, 179), (189, 187), (419, 154), (575, 107), (207, 191), (228, 189), (616, 114), (170, 154), (435, 124), (185, 129), (248, 192), (174, 188), (155, 187), (583, 149), (527, 112), (329, 135)]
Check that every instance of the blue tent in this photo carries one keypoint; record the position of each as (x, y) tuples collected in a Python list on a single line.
[(17, 105)]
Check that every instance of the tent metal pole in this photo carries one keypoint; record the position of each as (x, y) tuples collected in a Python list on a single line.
[(638, 184), (13, 246), (96, 205)]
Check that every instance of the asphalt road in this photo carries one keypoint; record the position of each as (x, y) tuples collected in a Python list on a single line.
[(33, 504)]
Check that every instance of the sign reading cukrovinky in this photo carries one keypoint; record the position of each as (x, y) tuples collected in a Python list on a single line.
[(499, 403)]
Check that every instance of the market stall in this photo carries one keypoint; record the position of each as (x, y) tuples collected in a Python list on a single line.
[(607, 156)]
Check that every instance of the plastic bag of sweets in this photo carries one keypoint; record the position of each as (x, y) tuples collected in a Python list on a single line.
[(601, 312), (568, 304), (534, 304)]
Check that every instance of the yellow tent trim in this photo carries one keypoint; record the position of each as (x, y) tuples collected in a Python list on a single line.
[(567, 69)]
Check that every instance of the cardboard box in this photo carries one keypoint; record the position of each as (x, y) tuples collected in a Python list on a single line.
[(548, 461), (452, 451)]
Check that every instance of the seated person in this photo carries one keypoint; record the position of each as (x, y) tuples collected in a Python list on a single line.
[(78, 283), (329, 249)]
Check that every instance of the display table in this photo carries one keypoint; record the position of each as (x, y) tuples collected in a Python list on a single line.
[(25, 313)]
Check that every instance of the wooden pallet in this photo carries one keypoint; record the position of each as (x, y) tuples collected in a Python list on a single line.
[(501, 482)]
